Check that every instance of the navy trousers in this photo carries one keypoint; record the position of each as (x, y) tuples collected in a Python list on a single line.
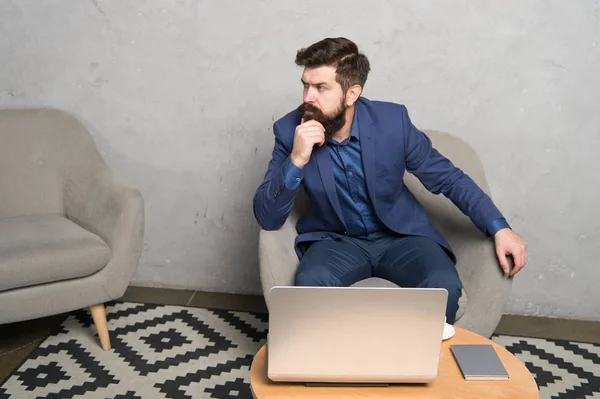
[(407, 261)]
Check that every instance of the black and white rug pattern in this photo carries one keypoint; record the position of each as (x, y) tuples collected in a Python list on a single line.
[(161, 351)]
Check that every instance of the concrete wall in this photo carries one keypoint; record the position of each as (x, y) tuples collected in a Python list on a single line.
[(181, 96)]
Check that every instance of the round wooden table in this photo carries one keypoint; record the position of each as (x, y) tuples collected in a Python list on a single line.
[(449, 383)]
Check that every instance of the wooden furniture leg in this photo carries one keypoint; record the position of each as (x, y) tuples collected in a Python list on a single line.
[(99, 317)]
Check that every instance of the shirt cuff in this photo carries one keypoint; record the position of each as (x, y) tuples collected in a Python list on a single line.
[(292, 175), (497, 225)]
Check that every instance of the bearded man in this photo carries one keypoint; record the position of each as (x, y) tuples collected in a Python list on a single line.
[(350, 154)]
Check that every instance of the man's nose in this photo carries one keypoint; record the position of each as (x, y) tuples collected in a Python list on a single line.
[(309, 96)]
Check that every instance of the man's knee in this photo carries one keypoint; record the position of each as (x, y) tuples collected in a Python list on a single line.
[(451, 282), (448, 280), (315, 276)]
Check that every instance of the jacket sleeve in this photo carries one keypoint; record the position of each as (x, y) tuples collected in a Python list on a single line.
[(273, 200), (439, 175)]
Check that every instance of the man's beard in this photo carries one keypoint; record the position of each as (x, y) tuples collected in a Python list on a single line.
[(332, 123)]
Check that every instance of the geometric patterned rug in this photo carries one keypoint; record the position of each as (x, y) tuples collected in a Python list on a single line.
[(562, 369), (164, 351)]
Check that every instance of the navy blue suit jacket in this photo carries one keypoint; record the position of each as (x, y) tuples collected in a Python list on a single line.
[(390, 146)]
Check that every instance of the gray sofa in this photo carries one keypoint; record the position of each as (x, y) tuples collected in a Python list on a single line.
[(485, 287), (70, 232)]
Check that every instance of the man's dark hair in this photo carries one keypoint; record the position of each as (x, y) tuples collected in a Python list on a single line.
[(352, 67)]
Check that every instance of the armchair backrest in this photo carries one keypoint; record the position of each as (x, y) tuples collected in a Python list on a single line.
[(471, 247), (39, 149)]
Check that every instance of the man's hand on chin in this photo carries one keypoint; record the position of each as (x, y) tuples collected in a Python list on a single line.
[(510, 243)]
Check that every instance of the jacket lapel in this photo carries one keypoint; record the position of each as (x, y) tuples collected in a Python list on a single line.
[(325, 166), (367, 147)]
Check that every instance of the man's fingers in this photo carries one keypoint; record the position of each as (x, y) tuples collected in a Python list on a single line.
[(312, 130), (503, 261), (520, 261), (518, 265), (515, 270), (321, 140), (308, 131), (521, 264), (312, 122), (317, 138), (312, 134), (509, 243)]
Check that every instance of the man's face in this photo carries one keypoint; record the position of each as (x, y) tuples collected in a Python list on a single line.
[(323, 99)]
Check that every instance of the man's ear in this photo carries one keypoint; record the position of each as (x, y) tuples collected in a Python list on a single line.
[(352, 95)]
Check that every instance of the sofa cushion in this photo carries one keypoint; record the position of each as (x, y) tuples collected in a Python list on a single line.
[(41, 249)]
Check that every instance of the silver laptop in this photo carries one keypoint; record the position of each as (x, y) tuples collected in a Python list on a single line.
[(355, 335)]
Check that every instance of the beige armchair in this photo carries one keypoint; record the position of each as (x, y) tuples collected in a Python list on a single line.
[(485, 287), (70, 232)]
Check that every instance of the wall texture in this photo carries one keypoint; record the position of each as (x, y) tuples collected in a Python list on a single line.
[(180, 97)]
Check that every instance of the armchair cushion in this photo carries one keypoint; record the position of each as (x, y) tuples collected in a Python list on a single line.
[(38, 249)]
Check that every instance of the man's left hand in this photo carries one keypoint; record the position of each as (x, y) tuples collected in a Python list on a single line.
[(510, 243)]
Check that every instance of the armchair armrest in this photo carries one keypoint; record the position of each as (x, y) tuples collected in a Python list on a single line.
[(98, 202), (277, 257)]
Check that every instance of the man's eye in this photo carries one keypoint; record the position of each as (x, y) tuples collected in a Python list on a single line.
[(321, 88)]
